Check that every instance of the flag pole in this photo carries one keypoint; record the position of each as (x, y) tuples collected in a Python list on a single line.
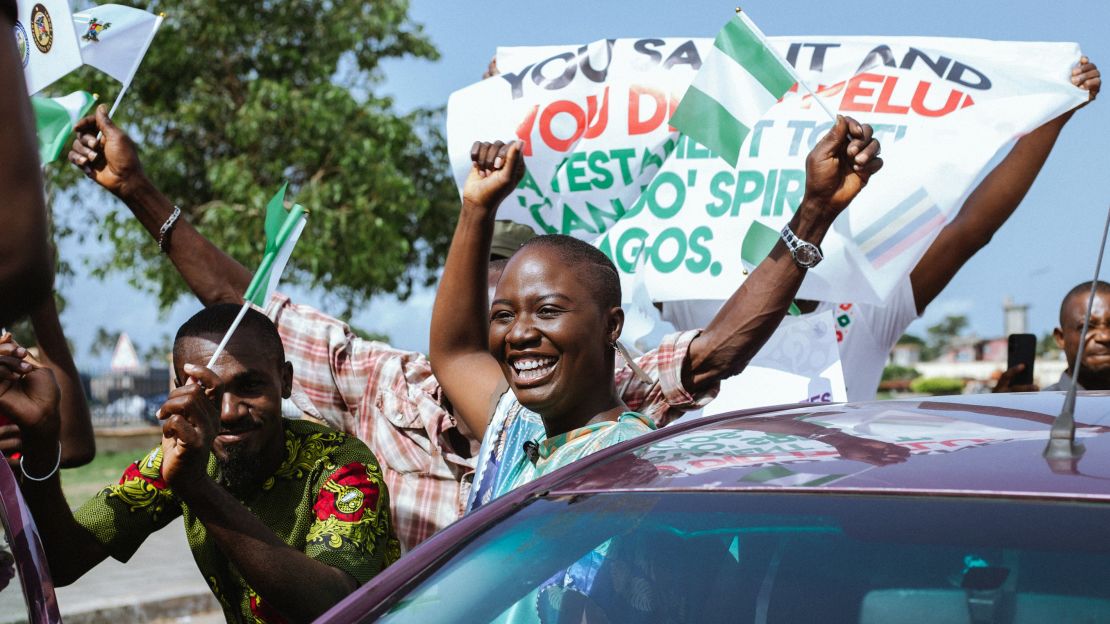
[(227, 337), (790, 68), (138, 61)]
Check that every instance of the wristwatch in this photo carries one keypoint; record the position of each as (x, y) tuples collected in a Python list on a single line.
[(806, 254)]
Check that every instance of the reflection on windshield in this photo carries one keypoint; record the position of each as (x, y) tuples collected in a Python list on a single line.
[(743, 557), (872, 437)]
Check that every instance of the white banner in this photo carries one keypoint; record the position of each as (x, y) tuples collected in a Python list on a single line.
[(799, 364), (46, 42), (604, 165)]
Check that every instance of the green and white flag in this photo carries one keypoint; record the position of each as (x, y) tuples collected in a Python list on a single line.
[(283, 228), (54, 120), (783, 476), (282, 231), (740, 79)]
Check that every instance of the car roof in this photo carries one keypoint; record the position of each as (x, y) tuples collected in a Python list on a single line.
[(970, 444)]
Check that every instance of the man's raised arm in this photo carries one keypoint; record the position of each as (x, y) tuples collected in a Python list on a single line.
[(993, 201), (26, 264), (113, 162), (459, 350), (836, 171)]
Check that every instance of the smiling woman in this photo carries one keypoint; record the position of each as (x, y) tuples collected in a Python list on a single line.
[(551, 333)]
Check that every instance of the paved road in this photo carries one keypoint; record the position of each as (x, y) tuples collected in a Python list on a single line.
[(160, 584)]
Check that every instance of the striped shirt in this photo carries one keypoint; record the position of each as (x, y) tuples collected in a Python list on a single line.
[(391, 401)]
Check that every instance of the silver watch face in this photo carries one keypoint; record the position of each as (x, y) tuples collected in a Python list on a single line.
[(807, 255)]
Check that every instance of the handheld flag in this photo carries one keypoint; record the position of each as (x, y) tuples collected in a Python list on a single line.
[(46, 42), (740, 79), (54, 120), (282, 231), (114, 39)]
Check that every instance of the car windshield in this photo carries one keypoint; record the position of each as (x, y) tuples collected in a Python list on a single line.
[(781, 557)]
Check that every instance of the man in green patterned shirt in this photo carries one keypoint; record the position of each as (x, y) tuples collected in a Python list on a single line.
[(284, 517)]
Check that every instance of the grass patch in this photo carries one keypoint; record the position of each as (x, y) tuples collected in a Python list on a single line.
[(82, 483)]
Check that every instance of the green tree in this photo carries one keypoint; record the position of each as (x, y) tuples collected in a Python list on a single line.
[(1047, 344), (940, 336), (103, 342), (235, 97)]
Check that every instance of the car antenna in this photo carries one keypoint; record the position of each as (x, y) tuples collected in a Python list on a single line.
[(1062, 452)]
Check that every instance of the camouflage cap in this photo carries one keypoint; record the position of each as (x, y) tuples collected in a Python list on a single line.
[(508, 236)]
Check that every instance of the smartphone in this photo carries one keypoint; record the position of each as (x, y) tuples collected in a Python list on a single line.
[(1021, 349)]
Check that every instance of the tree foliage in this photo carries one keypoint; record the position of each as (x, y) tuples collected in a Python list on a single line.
[(235, 97), (942, 334), (937, 386)]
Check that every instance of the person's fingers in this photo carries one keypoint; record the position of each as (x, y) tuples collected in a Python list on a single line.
[(499, 159), (173, 427), (181, 401), (1080, 80), (86, 125), (475, 151), (13, 367), (206, 377), (869, 150), (104, 122), (85, 155), (830, 143), (489, 160), (514, 161), (13, 349), (859, 136), (482, 155), (869, 169)]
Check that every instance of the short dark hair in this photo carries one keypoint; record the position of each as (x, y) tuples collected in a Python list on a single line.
[(216, 319), (601, 274), (1081, 289)]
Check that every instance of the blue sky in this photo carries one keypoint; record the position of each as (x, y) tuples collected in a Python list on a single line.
[(1047, 247)]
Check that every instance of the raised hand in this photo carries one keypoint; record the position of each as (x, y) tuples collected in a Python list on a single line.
[(841, 164), (111, 161), (1006, 381), (190, 418), (1085, 75), (28, 393), (498, 167)]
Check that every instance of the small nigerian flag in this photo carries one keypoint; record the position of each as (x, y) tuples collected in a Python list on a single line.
[(741, 79), (114, 38), (54, 120), (282, 231)]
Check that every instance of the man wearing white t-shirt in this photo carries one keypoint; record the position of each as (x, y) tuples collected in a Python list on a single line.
[(867, 333)]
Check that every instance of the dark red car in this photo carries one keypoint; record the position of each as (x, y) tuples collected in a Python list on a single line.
[(939, 510), (26, 590)]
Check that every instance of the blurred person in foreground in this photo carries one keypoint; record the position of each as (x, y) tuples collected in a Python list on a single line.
[(284, 518), (26, 261)]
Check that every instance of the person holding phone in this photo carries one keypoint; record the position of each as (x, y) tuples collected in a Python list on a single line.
[(1094, 371)]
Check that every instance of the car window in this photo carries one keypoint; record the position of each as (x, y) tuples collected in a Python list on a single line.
[(783, 557), (13, 604)]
